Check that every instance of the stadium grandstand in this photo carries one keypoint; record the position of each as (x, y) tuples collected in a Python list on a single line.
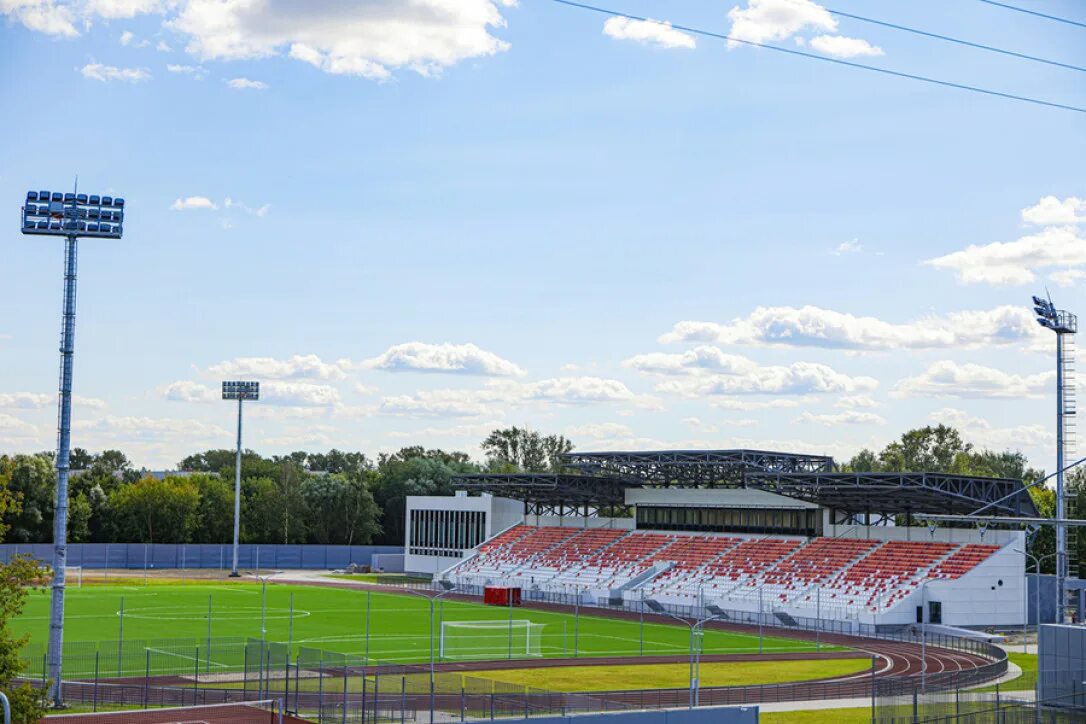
[(777, 534)]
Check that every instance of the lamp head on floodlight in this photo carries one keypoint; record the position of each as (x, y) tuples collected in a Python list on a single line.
[(52, 213), (1058, 320), (236, 390)]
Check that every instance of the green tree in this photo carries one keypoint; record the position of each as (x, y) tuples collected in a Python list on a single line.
[(215, 510), (520, 449), (341, 509), (17, 578), (80, 459), (156, 511), (413, 471), (927, 449), (79, 515), (33, 479)]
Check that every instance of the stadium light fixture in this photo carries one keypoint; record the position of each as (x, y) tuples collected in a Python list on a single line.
[(1063, 323), (240, 391), (68, 215)]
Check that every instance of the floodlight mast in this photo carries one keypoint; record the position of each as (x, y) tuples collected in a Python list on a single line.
[(240, 391), (1062, 323), (69, 215)]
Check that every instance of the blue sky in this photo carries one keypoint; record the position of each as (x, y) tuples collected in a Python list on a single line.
[(417, 221)]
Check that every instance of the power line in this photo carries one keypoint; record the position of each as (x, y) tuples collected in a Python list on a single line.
[(825, 59), (1034, 12), (959, 41)]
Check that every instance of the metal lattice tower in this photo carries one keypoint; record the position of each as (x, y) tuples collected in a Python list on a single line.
[(1069, 448), (70, 216), (1065, 325)]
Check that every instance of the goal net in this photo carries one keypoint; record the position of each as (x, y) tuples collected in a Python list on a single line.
[(490, 639), (73, 576)]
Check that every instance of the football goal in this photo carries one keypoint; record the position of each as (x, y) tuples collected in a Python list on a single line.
[(490, 639), (73, 576)]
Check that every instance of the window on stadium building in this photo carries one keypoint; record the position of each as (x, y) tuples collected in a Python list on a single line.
[(731, 520), (446, 533)]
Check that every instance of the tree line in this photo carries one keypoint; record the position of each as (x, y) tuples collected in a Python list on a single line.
[(337, 497), (340, 497)]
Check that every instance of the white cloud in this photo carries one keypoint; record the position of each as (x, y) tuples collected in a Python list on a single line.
[(766, 20), (127, 37), (840, 46), (188, 391), (42, 16), (498, 395), (699, 360), (93, 403), (849, 417), (436, 403), (1068, 277), (120, 9), (133, 429), (465, 359), (581, 391), (984, 435), (596, 431), (849, 402), (298, 394), (472, 430), (105, 73), (812, 326), (246, 84), (1051, 211), (194, 202), (163, 47), (798, 378), (260, 211), (367, 39), (1015, 262), (193, 70), (698, 425), (26, 400), (848, 247), (12, 427), (748, 405), (950, 379), (652, 32), (297, 367)]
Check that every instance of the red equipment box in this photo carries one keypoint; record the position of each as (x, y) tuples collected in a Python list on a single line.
[(501, 596)]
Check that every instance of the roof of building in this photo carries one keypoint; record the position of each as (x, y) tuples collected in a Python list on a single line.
[(601, 479)]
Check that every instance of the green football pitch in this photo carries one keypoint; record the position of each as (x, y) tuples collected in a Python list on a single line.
[(168, 618)]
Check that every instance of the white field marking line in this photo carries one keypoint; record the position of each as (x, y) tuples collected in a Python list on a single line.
[(243, 613), (886, 666), (193, 659)]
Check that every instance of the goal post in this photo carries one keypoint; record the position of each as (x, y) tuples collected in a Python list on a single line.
[(73, 576), (491, 639)]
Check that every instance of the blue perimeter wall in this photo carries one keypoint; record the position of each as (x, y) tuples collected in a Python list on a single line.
[(199, 555)]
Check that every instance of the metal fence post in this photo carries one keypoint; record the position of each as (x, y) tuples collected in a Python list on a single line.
[(344, 718), (576, 626), (146, 676), (94, 707), (367, 626), (403, 699), (874, 667), (208, 633), (461, 703), (120, 635)]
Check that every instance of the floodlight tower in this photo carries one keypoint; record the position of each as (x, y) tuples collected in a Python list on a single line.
[(239, 391), (1063, 323), (70, 215)]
